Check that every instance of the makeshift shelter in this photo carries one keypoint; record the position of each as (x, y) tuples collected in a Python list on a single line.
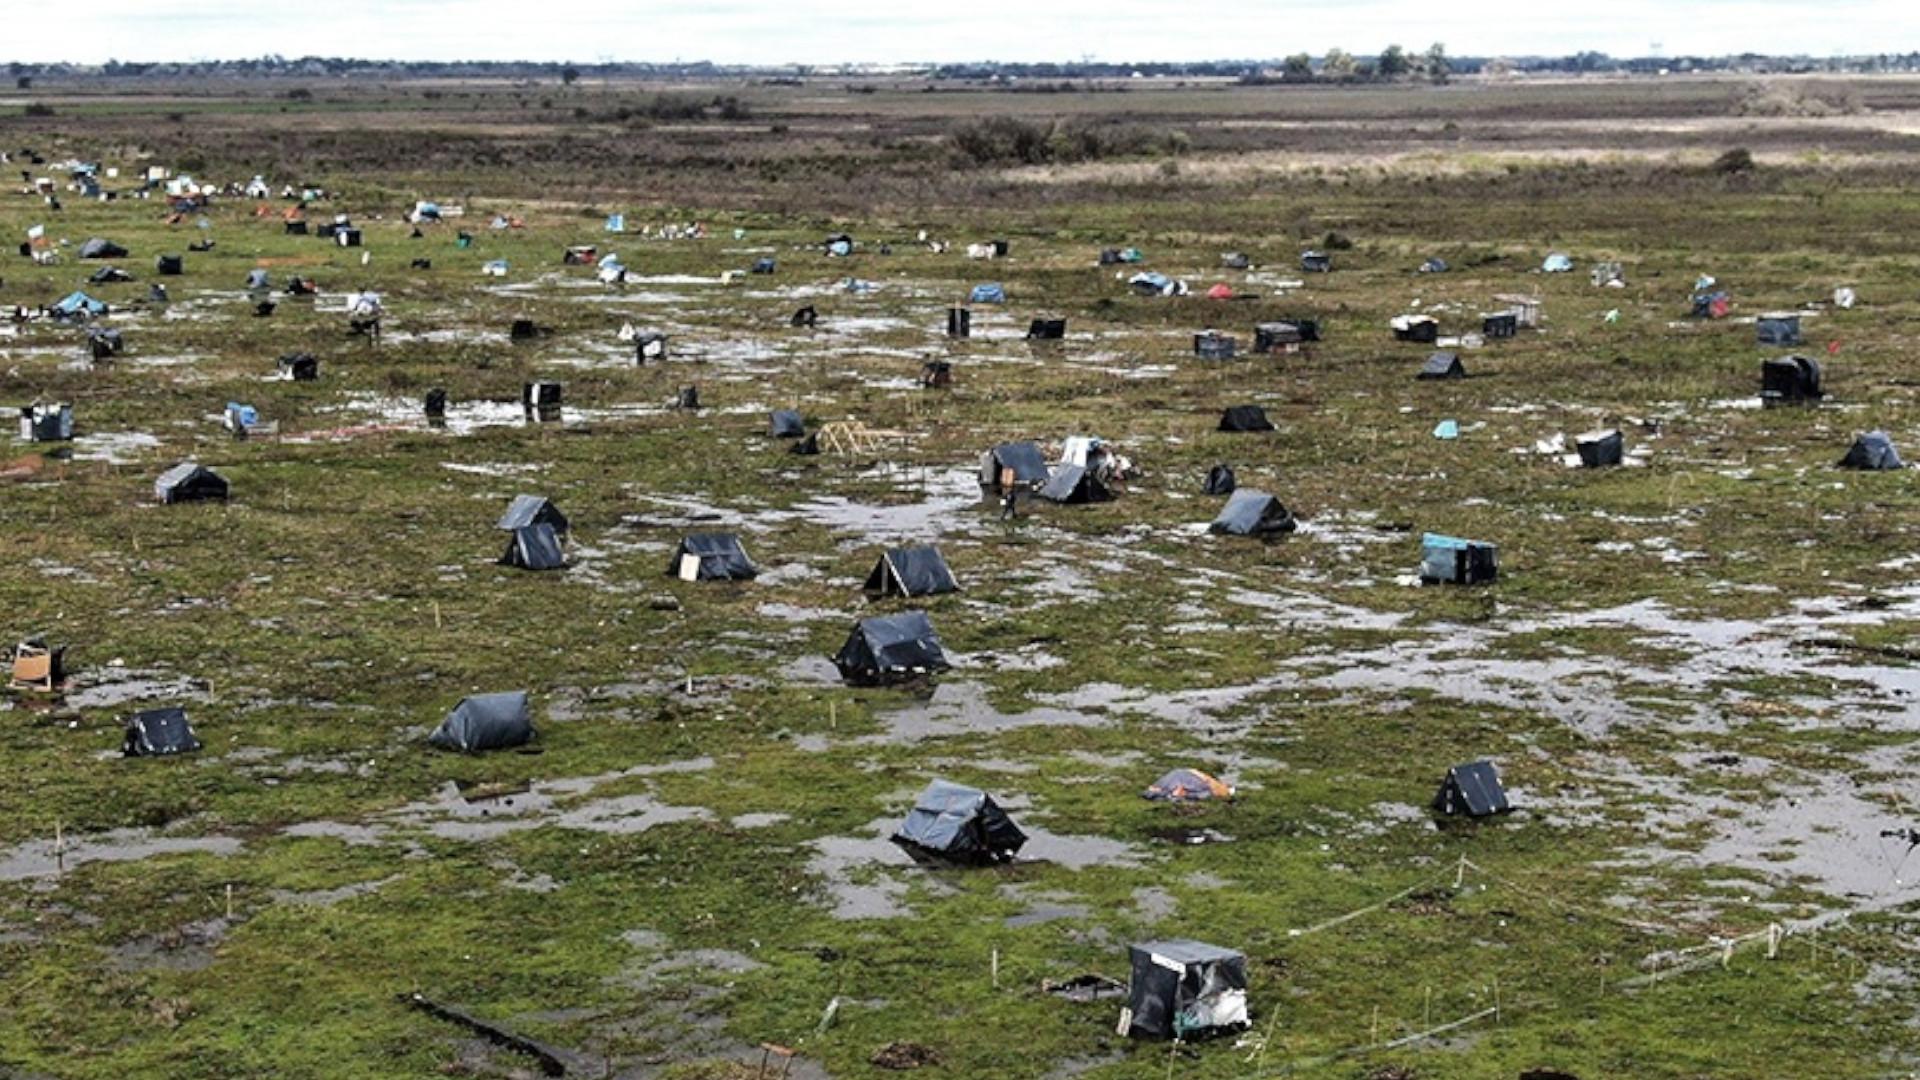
[(435, 403), (1187, 785), (840, 244), (959, 322), (1712, 305), (711, 557), (347, 237), (1874, 450), (1153, 283), (296, 227), (299, 286), (1424, 329), (1046, 330), (1502, 324), (688, 398), (77, 305), (1790, 380), (1599, 449), (1472, 790), (954, 825), (100, 248), (910, 571), (258, 281), (109, 275), (46, 423), (762, 266), (486, 722), (1245, 418), (527, 510), (169, 265), (1184, 990), (1220, 481), (1316, 262), (649, 345), (785, 424), (158, 732), (524, 330), (806, 447), (580, 255), (1277, 337), (39, 666), (1220, 290), (1526, 309), (534, 547), (988, 293), (300, 367), (1608, 274), (1073, 485), (1214, 345), (1453, 561), (1556, 263), (1023, 460), (189, 482), (890, 648), (936, 375), (805, 317), (1443, 365), (540, 397), (1253, 513), (1778, 328), (104, 343), (1434, 265), (1234, 260)]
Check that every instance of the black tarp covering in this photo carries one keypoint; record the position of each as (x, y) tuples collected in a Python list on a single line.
[(1472, 789), (890, 648), (910, 571), (300, 367), (188, 482), (157, 732), (1024, 458), (485, 722), (169, 265), (1074, 484), (1790, 379), (1874, 450), (1253, 513), (1451, 560), (1245, 418), (100, 248), (527, 510), (958, 825), (1599, 449), (534, 547), (711, 557), (1269, 336), (1185, 989), (1220, 480), (1443, 365), (1046, 330)]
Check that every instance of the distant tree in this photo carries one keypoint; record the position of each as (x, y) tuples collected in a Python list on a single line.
[(1393, 63), (569, 75), (1435, 63), (1338, 64), (1497, 68), (24, 82), (1297, 68)]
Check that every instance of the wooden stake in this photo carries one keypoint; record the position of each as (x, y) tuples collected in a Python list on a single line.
[(436, 614), (59, 847), (229, 901), (994, 968)]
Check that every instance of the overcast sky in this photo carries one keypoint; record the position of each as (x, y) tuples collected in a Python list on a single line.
[(831, 31)]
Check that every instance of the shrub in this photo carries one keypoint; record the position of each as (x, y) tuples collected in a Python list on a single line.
[(1737, 160), (1003, 140)]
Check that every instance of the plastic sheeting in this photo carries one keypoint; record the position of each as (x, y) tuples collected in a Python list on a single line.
[(486, 722)]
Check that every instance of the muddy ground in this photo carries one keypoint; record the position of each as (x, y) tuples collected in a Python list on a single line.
[(1695, 673)]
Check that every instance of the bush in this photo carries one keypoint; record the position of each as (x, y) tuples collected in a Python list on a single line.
[(1737, 160), (39, 109), (1796, 98), (1003, 140)]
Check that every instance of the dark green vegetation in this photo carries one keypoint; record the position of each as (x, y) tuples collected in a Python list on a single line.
[(679, 875)]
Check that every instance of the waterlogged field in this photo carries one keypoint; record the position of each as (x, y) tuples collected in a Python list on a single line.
[(1695, 673)]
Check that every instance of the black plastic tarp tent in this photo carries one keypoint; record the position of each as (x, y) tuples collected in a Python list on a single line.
[(1074, 484), (1874, 450), (1777, 328), (486, 722), (1601, 448), (157, 732), (1790, 379), (527, 510), (1024, 458), (910, 571), (890, 648), (1443, 365), (534, 547), (711, 557), (188, 482), (1451, 560), (101, 248), (786, 424), (1472, 789), (1183, 989), (1220, 480), (954, 824), (1253, 513), (1245, 418)]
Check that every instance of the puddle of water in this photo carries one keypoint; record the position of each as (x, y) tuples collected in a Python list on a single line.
[(188, 948), (38, 858), (113, 447)]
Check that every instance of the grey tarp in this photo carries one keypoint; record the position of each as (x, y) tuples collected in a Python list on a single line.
[(1252, 513), (1777, 328), (1443, 365), (188, 482), (951, 823), (711, 557), (108, 275), (1472, 789), (534, 547), (1182, 989), (1874, 450), (910, 571), (890, 648), (526, 510), (157, 732), (100, 248), (1074, 484), (1245, 418), (46, 423), (786, 424), (485, 722), (1024, 458), (1270, 335), (1601, 448), (1220, 480), (1213, 345)]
